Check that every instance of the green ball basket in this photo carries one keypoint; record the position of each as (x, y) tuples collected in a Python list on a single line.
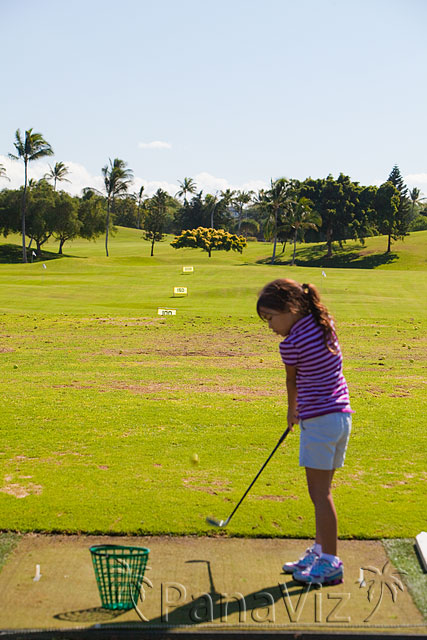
[(119, 571)]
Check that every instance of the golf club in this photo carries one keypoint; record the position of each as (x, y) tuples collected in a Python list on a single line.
[(223, 523)]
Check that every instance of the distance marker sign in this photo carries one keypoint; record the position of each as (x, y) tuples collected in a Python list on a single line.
[(180, 291), (166, 312)]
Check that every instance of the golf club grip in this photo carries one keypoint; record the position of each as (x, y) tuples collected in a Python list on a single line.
[(259, 473)]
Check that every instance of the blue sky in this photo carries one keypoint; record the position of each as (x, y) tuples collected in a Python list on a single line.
[(236, 92)]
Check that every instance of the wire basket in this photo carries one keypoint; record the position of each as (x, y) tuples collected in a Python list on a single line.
[(119, 571)]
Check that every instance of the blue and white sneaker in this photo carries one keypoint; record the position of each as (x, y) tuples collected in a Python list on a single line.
[(322, 571), (303, 563)]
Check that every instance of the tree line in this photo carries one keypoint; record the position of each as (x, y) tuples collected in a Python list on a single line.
[(330, 210)]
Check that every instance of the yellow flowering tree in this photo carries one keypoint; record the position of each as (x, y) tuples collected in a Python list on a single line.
[(209, 240)]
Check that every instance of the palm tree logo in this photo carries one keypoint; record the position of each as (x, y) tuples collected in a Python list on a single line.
[(381, 579)]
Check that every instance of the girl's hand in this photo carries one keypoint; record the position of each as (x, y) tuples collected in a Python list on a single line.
[(292, 417)]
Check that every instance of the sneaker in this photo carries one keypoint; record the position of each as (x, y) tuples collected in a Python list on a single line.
[(303, 563), (322, 571)]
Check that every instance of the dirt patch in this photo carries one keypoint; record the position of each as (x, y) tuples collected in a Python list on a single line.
[(375, 391), (124, 322), (201, 387), (394, 484), (6, 350), (20, 491), (275, 498), (187, 483), (371, 368), (222, 344), (400, 392), (73, 385), (214, 487)]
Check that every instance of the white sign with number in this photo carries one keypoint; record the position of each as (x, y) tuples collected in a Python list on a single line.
[(187, 269), (180, 291), (166, 312)]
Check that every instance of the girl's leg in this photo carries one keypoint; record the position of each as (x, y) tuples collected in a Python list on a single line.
[(319, 488)]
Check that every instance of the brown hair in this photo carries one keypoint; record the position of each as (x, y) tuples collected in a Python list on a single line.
[(287, 295)]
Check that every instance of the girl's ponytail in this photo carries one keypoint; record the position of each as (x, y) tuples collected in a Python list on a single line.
[(321, 315)]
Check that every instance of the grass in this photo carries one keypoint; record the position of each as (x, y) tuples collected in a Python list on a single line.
[(107, 402), (8, 542), (403, 554), (408, 253)]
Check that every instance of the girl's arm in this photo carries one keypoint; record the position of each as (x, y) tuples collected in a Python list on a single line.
[(291, 386)]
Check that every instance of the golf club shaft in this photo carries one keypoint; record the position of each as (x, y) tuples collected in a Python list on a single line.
[(258, 474)]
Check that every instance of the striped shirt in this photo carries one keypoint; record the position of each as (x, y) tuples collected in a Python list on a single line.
[(321, 386)]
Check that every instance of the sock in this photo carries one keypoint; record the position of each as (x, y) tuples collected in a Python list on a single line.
[(317, 548), (334, 560)]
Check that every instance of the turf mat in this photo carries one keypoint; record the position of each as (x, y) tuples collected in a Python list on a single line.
[(201, 584)]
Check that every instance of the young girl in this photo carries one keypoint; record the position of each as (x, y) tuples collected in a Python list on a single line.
[(318, 399)]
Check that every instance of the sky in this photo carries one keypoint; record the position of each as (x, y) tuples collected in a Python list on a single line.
[(230, 93)]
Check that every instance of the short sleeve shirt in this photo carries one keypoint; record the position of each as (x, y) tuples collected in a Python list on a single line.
[(321, 386)]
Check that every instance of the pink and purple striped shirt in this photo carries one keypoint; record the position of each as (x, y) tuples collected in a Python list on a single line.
[(321, 386)]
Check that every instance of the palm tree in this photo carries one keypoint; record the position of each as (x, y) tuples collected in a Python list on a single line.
[(3, 172), (140, 206), (385, 578), (302, 217), (57, 174), (276, 200), (186, 186), (240, 199), (212, 203), (415, 196), (228, 197), (117, 179), (33, 147)]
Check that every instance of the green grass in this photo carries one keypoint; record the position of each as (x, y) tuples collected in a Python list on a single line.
[(8, 542), (409, 253), (403, 555), (106, 402)]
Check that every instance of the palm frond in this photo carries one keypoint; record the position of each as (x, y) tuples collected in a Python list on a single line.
[(41, 153), (372, 570), (371, 589), (392, 589)]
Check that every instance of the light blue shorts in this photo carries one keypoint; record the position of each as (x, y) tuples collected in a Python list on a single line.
[(323, 441)]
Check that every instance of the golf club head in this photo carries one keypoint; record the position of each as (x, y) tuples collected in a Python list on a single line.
[(217, 523)]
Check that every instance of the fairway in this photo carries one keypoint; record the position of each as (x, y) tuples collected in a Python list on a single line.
[(105, 403)]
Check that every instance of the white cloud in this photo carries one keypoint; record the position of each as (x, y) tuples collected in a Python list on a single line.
[(411, 180), (80, 178), (156, 144), (211, 184), (418, 180), (150, 187)]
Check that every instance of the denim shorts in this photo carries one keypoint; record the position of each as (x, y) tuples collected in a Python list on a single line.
[(323, 441)]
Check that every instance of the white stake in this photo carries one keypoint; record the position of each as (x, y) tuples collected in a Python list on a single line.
[(38, 574), (361, 580)]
